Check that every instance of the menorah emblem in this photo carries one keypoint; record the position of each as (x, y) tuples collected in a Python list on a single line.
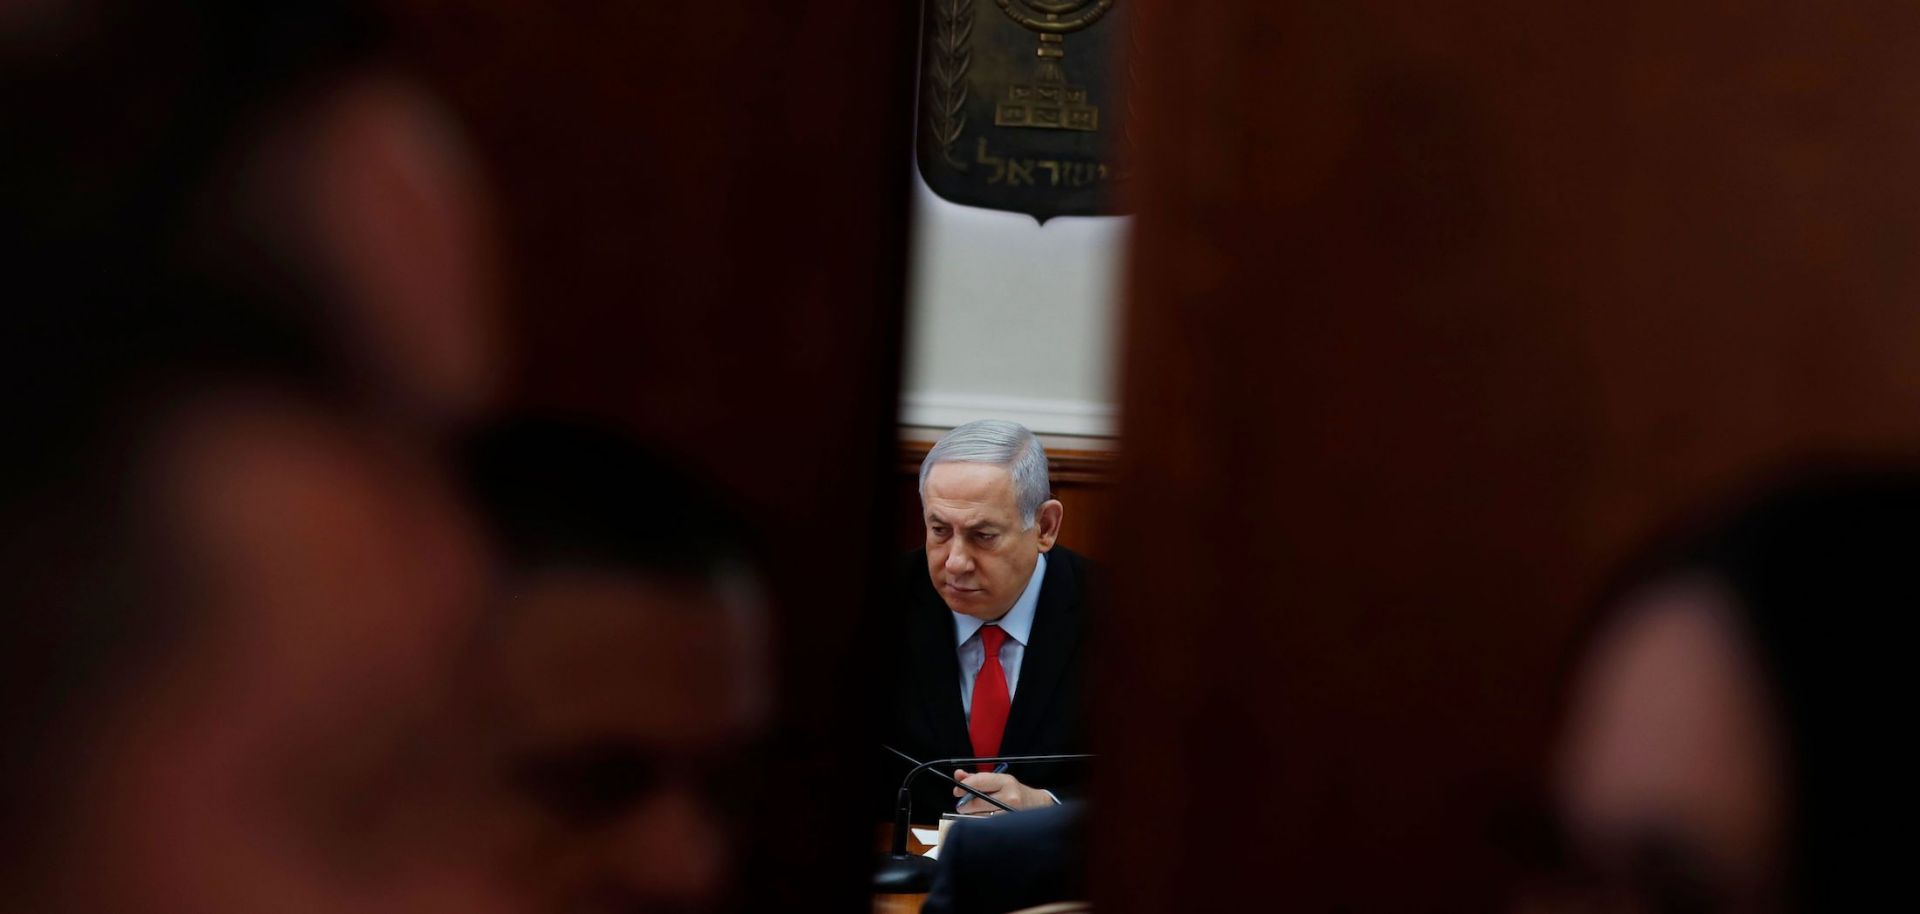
[(1048, 102)]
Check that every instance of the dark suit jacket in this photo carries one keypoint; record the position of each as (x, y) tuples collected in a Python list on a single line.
[(926, 717), (1010, 862)]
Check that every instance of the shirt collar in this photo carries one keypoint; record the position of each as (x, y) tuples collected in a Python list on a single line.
[(1018, 622)]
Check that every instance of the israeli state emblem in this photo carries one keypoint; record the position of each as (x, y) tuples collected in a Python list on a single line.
[(1023, 104)]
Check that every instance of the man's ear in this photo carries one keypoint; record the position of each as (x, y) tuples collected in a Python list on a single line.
[(1048, 519)]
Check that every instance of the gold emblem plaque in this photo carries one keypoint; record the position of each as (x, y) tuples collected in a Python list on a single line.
[(1023, 104)]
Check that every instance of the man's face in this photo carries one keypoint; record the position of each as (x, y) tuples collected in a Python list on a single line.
[(302, 749), (374, 196), (979, 555), (629, 708), (402, 223), (1671, 779)]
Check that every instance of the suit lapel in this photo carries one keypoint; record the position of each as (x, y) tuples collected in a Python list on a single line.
[(937, 662), (1050, 649)]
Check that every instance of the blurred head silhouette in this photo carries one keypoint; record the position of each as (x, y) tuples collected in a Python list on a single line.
[(631, 668), (239, 608), (272, 154), (1725, 739), (238, 622)]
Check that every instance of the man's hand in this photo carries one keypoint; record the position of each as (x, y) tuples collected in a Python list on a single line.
[(1003, 787)]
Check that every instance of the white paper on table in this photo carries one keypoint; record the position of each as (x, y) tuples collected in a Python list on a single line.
[(928, 836), (933, 853)]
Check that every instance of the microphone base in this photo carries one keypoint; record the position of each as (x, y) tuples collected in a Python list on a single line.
[(905, 874)]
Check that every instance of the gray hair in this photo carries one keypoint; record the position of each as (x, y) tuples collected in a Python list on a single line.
[(1008, 445)]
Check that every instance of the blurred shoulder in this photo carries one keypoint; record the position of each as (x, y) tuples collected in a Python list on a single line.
[(910, 580)]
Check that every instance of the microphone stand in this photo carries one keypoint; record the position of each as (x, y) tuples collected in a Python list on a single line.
[(903, 873)]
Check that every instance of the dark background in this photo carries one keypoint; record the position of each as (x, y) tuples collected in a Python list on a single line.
[(1435, 310)]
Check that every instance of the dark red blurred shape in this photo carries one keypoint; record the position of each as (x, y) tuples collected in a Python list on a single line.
[(1435, 309)]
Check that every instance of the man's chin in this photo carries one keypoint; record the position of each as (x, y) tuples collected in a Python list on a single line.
[(973, 604)]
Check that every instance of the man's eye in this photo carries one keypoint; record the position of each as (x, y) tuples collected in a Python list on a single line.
[(987, 537), (940, 532)]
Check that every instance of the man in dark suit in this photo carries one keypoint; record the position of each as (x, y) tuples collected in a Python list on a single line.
[(993, 657), (1008, 863)]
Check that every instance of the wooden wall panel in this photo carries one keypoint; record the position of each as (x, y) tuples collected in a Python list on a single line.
[(1435, 309)]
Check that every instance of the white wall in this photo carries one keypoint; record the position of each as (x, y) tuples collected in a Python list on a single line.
[(1012, 319)]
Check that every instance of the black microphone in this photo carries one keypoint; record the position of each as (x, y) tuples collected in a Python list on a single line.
[(942, 763), (903, 873)]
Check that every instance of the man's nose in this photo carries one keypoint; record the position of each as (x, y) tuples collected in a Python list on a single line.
[(959, 560)]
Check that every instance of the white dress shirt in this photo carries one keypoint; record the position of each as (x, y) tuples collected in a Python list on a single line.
[(1017, 623)]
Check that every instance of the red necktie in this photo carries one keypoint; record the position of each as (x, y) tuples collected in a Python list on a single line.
[(988, 719)]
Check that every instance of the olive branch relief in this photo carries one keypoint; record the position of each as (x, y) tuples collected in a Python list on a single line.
[(949, 57)]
